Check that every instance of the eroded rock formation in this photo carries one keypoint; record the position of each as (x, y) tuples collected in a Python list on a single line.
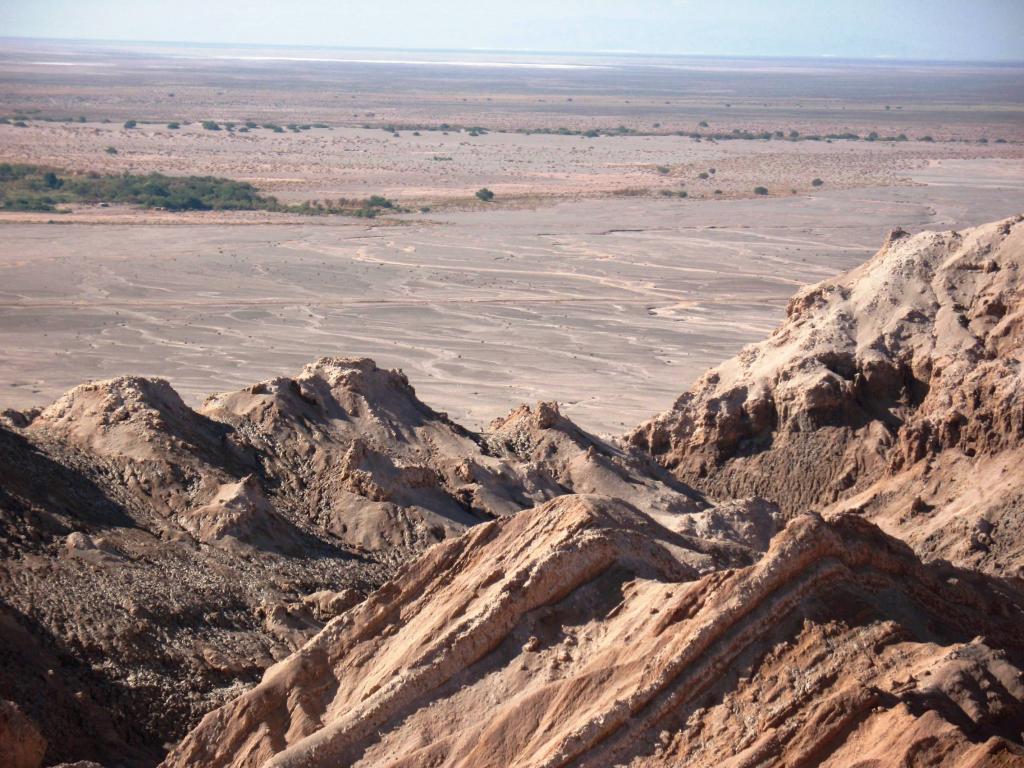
[(813, 558), (156, 558), (573, 634), (895, 389)]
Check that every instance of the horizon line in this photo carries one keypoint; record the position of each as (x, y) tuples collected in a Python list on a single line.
[(528, 51)]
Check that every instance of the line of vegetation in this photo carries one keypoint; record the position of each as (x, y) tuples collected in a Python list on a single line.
[(19, 119), (39, 188), (622, 130)]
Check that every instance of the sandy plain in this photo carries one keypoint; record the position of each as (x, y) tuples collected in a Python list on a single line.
[(582, 283)]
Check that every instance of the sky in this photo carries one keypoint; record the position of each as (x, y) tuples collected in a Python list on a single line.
[(914, 29)]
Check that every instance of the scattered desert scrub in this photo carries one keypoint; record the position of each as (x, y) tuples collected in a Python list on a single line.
[(367, 208), (736, 134), (760, 190), (485, 195), (817, 182)]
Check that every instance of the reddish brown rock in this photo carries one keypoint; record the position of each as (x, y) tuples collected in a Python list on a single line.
[(897, 381), (572, 634), (21, 744), (325, 571)]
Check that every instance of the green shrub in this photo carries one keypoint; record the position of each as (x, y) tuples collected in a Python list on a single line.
[(760, 190), (29, 186), (37, 188), (210, 125), (174, 126), (129, 124), (485, 195)]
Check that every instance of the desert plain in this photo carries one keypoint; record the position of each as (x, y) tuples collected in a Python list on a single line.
[(589, 279)]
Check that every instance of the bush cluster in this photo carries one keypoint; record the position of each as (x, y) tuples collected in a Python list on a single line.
[(37, 188)]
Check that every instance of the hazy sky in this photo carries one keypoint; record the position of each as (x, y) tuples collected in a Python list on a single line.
[(939, 29)]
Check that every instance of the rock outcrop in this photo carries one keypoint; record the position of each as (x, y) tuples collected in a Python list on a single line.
[(812, 559), (155, 559), (572, 634), (895, 388)]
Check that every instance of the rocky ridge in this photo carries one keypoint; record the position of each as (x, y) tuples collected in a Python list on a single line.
[(156, 558), (572, 635), (812, 558), (894, 389)]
